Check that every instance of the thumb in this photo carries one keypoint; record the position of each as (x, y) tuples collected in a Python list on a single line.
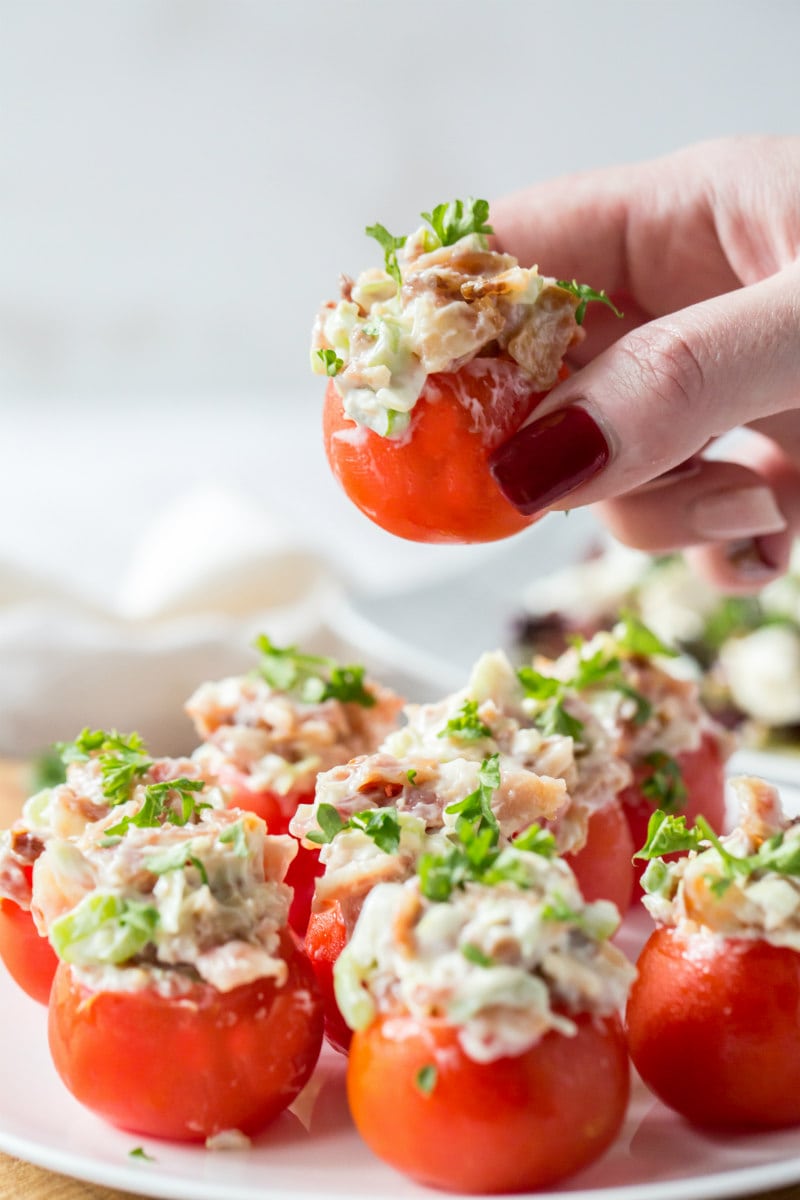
[(656, 397)]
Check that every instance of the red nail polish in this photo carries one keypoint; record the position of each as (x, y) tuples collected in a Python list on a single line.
[(549, 458)]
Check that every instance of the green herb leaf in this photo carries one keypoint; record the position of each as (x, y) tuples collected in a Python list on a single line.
[(458, 218), (474, 954), (330, 361), (47, 770), (537, 841), (633, 635), (159, 806), (140, 1152), (558, 910), (426, 1078), (555, 720), (475, 811), (585, 294), (666, 835), (390, 245), (311, 677), (330, 823), (123, 759), (538, 686), (381, 825), (411, 774), (175, 858), (664, 786), (235, 836), (466, 726)]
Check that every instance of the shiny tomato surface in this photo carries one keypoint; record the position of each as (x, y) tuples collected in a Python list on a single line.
[(325, 940), (278, 811), (703, 774), (714, 1028), (433, 483), (603, 866), (191, 1066), (515, 1124), (29, 958)]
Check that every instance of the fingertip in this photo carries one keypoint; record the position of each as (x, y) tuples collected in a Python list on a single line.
[(745, 565)]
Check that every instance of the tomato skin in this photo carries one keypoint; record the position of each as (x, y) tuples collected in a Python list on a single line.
[(703, 772), (603, 866), (325, 940), (434, 484), (713, 1029), (277, 811), (29, 958), (515, 1124), (189, 1067)]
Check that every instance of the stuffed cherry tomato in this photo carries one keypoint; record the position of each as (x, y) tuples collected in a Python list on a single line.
[(435, 361), (712, 1017), (434, 483), (488, 1055), (192, 1064), (267, 735), (182, 1006)]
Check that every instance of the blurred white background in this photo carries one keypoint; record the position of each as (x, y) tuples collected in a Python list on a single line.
[(182, 181)]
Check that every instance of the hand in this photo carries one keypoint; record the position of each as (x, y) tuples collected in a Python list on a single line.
[(701, 249)]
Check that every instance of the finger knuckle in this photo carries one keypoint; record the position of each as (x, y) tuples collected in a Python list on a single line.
[(670, 363)]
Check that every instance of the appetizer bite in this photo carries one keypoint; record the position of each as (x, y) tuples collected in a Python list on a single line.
[(488, 1053), (101, 769), (181, 1007), (713, 1016), (434, 361), (539, 727), (654, 721), (268, 734)]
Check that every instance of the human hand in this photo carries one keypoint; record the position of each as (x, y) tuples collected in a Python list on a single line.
[(701, 249)]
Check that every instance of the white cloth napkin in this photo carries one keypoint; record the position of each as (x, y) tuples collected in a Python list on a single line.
[(211, 572)]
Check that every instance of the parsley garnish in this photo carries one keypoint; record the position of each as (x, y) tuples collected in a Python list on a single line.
[(585, 294), (411, 775), (425, 1078), (140, 1152), (122, 758), (466, 726), (557, 909), (664, 786), (175, 859), (537, 841), (160, 806), (382, 825), (236, 836), (475, 810), (474, 954), (633, 635), (450, 222), (47, 769), (390, 245), (553, 718), (330, 361), (313, 678)]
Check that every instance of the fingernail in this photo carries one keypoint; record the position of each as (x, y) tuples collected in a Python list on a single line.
[(751, 559), (549, 458), (736, 513)]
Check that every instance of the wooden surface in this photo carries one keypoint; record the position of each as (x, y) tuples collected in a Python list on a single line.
[(23, 1181)]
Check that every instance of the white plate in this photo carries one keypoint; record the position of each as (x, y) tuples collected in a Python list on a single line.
[(322, 1158)]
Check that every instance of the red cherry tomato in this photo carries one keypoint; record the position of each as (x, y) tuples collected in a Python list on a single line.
[(278, 811), (515, 1124), (30, 958), (703, 773), (325, 940), (433, 484), (603, 866), (713, 1028), (190, 1066)]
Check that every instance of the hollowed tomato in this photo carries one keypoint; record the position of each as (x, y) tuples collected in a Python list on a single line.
[(433, 484)]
